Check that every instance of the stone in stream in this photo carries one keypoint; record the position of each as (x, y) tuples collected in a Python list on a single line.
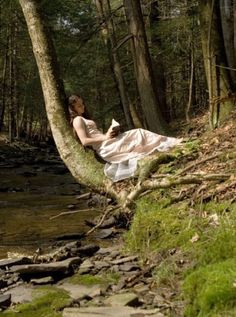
[(6, 263), (88, 250), (54, 267)]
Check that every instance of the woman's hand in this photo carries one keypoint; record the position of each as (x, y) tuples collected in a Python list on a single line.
[(110, 133)]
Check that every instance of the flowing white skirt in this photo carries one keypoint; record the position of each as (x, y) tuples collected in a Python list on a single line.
[(123, 152)]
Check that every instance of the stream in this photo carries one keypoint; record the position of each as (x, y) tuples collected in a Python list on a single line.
[(32, 193)]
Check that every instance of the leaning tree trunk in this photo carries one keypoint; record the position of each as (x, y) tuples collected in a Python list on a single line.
[(143, 68), (81, 164), (218, 78)]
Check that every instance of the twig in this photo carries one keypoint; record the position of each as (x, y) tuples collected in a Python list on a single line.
[(102, 220), (71, 212)]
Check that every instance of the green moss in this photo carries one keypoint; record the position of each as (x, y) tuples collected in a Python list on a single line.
[(211, 290), (156, 227), (46, 304), (87, 279)]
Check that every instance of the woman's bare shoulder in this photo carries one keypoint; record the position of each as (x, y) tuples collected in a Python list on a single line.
[(78, 120)]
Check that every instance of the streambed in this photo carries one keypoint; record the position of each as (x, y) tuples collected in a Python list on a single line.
[(32, 193)]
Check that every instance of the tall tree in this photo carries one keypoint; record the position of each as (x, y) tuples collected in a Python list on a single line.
[(82, 165), (108, 30), (143, 67), (220, 87)]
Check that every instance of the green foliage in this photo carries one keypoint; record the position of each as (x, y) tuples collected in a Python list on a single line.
[(47, 303), (211, 290)]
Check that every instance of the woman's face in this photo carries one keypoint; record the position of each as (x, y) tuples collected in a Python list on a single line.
[(79, 106)]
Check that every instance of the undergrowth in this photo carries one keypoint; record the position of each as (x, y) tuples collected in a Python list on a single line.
[(194, 249)]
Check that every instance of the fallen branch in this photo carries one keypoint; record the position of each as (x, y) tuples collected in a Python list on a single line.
[(171, 181)]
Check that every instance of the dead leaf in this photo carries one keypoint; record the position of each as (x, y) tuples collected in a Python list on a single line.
[(195, 238)]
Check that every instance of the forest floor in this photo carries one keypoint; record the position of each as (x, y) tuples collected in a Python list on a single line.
[(183, 240)]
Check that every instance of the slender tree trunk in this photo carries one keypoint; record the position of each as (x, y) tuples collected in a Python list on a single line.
[(227, 18), (157, 61), (190, 94), (105, 15), (217, 74), (82, 165), (3, 87), (144, 72)]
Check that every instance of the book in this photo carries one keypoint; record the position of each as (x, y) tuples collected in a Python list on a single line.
[(115, 126)]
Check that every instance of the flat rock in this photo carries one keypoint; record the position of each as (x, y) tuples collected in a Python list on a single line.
[(60, 266), (43, 280), (110, 312), (16, 261), (80, 291), (128, 267), (88, 250), (124, 260), (21, 294), (124, 299)]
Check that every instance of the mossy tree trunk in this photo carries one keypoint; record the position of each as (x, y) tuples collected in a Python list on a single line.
[(215, 61), (81, 164), (143, 68)]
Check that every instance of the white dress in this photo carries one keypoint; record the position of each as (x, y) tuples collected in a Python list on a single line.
[(123, 152)]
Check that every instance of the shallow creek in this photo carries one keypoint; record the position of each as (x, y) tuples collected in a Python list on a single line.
[(29, 196)]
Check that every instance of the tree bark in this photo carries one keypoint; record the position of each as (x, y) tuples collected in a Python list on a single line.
[(105, 15), (143, 68), (227, 18), (81, 164), (218, 79)]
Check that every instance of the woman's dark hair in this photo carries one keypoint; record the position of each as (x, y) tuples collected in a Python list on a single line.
[(71, 100)]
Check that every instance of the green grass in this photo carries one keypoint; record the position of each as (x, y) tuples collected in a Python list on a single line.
[(47, 303), (211, 290), (209, 276)]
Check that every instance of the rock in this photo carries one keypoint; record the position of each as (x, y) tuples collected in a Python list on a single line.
[(86, 267), (104, 234), (124, 260), (121, 284), (109, 312), (81, 291), (88, 250), (10, 262), (124, 299), (43, 280), (128, 267), (5, 301), (20, 294), (54, 267), (101, 264)]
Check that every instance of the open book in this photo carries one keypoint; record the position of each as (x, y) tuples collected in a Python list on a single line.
[(115, 126)]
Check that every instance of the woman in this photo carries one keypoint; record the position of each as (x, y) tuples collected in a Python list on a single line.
[(120, 151)]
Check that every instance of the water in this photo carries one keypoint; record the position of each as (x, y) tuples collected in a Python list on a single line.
[(32, 196)]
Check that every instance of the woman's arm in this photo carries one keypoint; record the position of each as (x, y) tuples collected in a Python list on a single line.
[(80, 129)]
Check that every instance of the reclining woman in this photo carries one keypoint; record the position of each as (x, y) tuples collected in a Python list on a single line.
[(121, 151)]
